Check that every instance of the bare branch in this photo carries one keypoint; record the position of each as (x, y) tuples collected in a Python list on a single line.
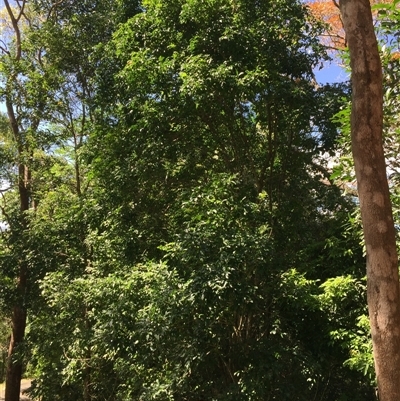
[(3, 210), (3, 47), (14, 22), (336, 3), (21, 9), (53, 7)]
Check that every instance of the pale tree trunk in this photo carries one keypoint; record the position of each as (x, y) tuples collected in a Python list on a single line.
[(376, 212)]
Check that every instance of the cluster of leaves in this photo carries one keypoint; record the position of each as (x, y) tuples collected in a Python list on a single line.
[(191, 133), (225, 317), (4, 336)]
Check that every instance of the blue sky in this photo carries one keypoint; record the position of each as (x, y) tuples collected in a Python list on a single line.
[(331, 73)]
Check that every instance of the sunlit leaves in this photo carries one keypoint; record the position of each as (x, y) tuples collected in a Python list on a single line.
[(205, 153)]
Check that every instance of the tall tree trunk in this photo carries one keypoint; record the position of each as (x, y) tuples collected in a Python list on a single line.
[(376, 212), (14, 368)]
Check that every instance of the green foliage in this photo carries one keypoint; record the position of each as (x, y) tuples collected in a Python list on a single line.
[(220, 320), (341, 300), (118, 323), (206, 154), (360, 345), (4, 337), (186, 243)]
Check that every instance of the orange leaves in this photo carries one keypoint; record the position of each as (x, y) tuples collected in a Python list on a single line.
[(328, 12)]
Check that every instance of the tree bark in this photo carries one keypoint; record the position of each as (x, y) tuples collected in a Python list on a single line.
[(383, 291), (14, 368), (14, 364)]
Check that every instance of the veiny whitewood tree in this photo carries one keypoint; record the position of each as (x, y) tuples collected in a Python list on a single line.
[(376, 211)]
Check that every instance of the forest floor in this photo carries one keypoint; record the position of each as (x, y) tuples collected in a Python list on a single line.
[(25, 384)]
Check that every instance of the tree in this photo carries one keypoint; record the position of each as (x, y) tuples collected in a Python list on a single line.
[(32, 87), (328, 12), (13, 61), (376, 212), (205, 149), (204, 131)]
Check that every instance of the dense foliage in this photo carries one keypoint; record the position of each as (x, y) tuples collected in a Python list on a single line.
[(187, 240)]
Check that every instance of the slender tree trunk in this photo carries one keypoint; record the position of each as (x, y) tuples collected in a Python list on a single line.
[(376, 212), (14, 364), (14, 368)]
